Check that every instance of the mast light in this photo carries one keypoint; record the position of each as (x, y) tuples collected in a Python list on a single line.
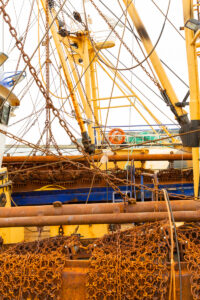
[(192, 24)]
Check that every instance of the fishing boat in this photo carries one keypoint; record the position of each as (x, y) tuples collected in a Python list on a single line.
[(100, 177)]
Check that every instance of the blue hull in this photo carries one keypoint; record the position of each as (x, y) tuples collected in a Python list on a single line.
[(98, 194)]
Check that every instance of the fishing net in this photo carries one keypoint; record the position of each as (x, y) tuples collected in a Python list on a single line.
[(130, 264), (189, 238), (34, 270)]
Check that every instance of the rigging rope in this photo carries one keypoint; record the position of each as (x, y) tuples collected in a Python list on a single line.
[(39, 57), (106, 176), (171, 220), (127, 79), (115, 72), (125, 45)]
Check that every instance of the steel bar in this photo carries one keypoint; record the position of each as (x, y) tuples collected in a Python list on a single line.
[(79, 158), (119, 218), (97, 208)]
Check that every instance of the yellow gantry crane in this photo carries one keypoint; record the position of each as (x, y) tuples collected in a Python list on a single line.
[(81, 51), (191, 33)]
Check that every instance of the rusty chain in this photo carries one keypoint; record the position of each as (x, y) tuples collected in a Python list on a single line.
[(110, 176), (25, 34), (55, 111), (107, 177), (79, 78), (33, 72), (126, 46), (47, 122), (47, 152), (6, 3)]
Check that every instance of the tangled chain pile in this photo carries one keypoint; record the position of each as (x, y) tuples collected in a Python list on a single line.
[(189, 237), (30, 270), (130, 264)]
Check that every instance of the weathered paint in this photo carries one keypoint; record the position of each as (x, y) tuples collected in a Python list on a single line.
[(85, 231), (74, 280), (9, 235)]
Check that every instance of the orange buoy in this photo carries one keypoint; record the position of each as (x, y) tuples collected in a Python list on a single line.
[(116, 136)]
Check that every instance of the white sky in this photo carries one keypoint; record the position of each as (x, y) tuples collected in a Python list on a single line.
[(171, 49)]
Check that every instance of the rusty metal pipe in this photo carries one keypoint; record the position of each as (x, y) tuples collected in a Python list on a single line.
[(97, 208), (80, 158), (120, 218)]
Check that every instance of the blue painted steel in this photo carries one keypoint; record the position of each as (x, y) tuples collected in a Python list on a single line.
[(98, 194), (142, 190), (133, 180), (186, 189)]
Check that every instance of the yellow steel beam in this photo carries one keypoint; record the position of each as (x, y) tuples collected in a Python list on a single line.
[(164, 80), (120, 106), (86, 53), (85, 95), (116, 97), (197, 45), (69, 40), (80, 40), (138, 110), (143, 104), (65, 71), (78, 84), (95, 93), (86, 64), (193, 83), (104, 45), (196, 36)]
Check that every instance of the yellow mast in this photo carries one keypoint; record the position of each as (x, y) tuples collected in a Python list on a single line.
[(93, 74), (80, 50), (85, 138), (88, 85), (194, 86)]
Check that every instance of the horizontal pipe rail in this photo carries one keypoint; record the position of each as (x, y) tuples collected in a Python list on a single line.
[(80, 158), (97, 208), (119, 218)]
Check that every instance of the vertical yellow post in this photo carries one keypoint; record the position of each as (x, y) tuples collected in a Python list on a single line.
[(11, 234), (194, 85), (94, 92), (86, 64)]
